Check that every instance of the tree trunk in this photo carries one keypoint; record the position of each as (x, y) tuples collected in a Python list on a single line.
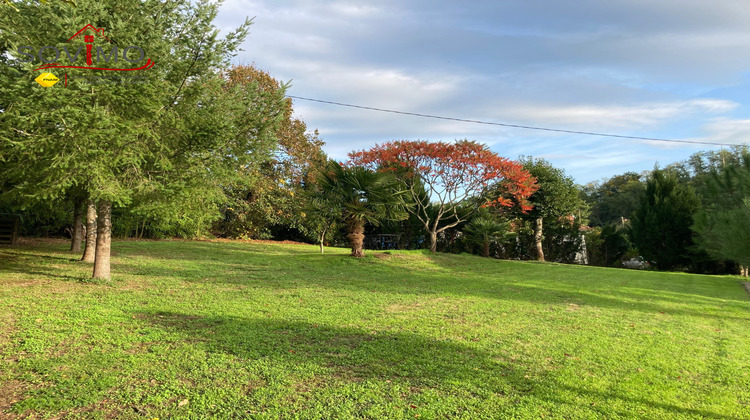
[(486, 248), (90, 252), (433, 242), (538, 239), (322, 238), (356, 236), (77, 234), (103, 240)]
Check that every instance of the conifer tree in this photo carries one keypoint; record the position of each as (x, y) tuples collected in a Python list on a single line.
[(723, 225), (661, 225), (174, 135)]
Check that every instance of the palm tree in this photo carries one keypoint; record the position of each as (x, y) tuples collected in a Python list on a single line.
[(484, 230), (361, 196)]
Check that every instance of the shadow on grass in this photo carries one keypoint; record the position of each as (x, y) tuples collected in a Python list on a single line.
[(213, 250), (10, 255), (35, 265), (271, 265), (351, 355), (603, 397), (307, 257), (346, 353), (336, 271)]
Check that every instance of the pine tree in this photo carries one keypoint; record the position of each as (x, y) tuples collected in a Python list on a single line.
[(661, 224), (177, 136), (723, 225)]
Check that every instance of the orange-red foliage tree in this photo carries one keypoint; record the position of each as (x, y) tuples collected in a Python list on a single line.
[(443, 177)]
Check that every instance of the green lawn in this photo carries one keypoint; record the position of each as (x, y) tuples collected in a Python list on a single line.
[(257, 330)]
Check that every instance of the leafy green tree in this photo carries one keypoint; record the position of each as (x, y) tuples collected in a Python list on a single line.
[(182, 133), (361, 196), (321, 215), (453, 174), (661, 225), (556, 201), (709, 161), (607, 246), (273, 194), (723, 225), (697, 169), (614, 200)]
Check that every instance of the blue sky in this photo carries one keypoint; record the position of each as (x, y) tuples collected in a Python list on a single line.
[(676, 69)]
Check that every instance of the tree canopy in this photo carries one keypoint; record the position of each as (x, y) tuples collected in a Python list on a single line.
[(182, 131), (661, 225), (448, 174), (723, 224), (271, 193), (360, 196), (557, 199), (614, 200)]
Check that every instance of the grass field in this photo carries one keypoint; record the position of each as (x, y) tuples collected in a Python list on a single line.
[(259, 330)]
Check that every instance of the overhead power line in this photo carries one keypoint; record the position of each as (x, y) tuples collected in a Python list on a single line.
[(527, 127)]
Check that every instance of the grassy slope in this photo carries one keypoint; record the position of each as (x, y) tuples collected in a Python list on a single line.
[(232, 329)]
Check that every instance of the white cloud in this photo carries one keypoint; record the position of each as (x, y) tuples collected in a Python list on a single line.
[(354, 9), (725, 130), (667, 69), (634, 117)]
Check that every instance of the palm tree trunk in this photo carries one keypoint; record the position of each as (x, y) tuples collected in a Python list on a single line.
[(356, 236), (103, 240), (90, 252), (538, 239)]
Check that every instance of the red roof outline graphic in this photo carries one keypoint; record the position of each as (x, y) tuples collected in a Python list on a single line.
[(149, 64), (97, 31)]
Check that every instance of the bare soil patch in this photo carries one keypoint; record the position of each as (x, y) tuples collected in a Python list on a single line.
[(10, 392), (41, 241), (408, 307), (20, 282), (7, 328)]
